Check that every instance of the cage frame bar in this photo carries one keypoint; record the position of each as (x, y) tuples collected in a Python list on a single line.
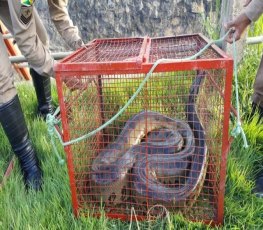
[(66, 138), (224, 62), (226, 141)]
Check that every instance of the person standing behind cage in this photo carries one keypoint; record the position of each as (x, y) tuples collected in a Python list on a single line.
[(253, 10), (59, 15), (22, 20)]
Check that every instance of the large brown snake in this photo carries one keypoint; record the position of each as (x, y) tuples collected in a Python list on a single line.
[(182, 155)]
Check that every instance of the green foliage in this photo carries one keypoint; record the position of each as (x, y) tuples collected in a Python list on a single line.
[(210, 21)]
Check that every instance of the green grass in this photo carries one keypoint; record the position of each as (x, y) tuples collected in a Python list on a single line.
[(52, 208)]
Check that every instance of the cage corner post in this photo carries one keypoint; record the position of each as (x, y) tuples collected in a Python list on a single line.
[(66, 138), (225, 141)]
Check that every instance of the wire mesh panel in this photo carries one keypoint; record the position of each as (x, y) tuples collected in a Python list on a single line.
[(168, 146)]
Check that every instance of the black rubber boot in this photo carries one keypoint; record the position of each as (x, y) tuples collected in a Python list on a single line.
[(256, 108), (258, 190), (14, 125), (42, 86)]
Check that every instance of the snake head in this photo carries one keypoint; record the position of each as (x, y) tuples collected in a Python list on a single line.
[(106, 174)]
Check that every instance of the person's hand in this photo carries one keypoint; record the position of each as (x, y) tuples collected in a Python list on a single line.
[(76, 83), (247, 2), (238, 26), (78, 44)]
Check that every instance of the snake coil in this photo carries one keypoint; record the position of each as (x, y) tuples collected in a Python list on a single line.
[(153, 146)]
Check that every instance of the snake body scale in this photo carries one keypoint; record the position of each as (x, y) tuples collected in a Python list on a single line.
[(153, 146)]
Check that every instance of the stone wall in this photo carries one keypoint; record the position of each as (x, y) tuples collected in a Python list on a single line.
[(126, 18)]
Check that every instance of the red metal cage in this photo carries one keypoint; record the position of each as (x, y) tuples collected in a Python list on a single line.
[(169, 146)]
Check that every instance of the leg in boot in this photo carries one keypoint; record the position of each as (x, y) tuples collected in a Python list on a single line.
[(257, 96), (42, 86), (258, 190), (256, 109), (13, 122)]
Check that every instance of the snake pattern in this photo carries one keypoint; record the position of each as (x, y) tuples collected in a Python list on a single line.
[(153, 146)]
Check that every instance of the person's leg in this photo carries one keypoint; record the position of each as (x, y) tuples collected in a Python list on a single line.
[(7, 88), (14, 125), (257, 98), (32, 40), (258, 190), (257, 106), (42, 84)]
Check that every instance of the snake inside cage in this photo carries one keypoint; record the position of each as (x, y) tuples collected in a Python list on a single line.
[(173, 149)]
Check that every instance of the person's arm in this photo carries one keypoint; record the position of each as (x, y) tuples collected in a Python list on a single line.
[(60, 17), (24, 28), (251, 13), (254, 10)]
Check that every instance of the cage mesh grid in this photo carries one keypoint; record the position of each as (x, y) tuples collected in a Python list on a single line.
[(109, 50), (100, 179), (179, 47)]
